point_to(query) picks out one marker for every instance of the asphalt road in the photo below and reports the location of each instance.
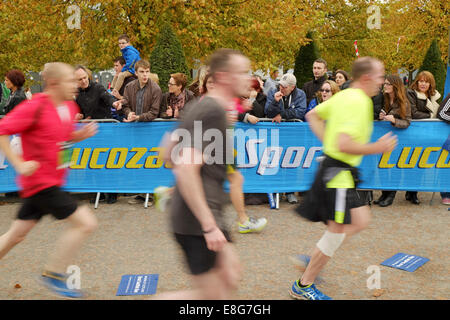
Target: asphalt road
(134, 240)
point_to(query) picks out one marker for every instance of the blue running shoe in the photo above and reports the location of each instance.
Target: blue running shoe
(57, 284)
(308, 293)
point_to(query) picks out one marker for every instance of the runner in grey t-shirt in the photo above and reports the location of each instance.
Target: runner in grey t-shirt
(211, 115)
(196, 210)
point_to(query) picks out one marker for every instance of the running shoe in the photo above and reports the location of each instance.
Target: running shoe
(59, 287)
(252, 225)
(162, 197)
(308, 293)
(446, 201)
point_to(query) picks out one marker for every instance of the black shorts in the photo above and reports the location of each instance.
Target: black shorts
(199, 258)
(52, 200)
(335, 205)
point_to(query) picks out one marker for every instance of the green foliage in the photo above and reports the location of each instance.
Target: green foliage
(167, 56)
(304, 61)
(434, 64)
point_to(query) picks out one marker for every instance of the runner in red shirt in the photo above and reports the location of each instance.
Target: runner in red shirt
(46, 125)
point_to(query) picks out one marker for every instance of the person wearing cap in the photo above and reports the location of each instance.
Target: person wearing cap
(286, 101)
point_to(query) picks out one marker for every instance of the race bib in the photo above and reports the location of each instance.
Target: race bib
(65, 155)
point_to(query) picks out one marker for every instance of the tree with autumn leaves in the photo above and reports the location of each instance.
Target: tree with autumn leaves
(270, 32)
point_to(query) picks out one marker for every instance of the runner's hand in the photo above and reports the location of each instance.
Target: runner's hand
(88, 130)
(386, 143)
(27, 168)
(215, 240)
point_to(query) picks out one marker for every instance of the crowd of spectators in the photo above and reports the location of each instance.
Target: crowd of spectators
(135, 95)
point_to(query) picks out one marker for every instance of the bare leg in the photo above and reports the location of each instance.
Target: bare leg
(83, 223)
(217, 284)
(16, 233)
(360, 221)
(237, 197)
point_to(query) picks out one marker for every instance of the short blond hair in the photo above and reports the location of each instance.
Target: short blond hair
(55, 70)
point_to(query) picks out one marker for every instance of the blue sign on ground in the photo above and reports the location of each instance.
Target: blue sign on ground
(137, 284)
(407, 262)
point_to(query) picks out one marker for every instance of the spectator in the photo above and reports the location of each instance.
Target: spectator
(444, 114)
(311, 87)
(328, 89)
(271, 81)
(173, 102)
(257, 101)
(131, 56)
(397, 111)
(208, 85)
(4, 97)
(14, 80)
(197, 85)
(142, 97)
(286, 101)
(341, 77)
(119, 64)
(94, 101)
(423, 98)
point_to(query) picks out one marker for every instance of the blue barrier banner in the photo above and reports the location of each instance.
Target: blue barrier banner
(125, 157)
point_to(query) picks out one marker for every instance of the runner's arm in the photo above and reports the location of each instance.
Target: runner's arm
(85, 132)
(22, 167)
(12, 157)
(386, 143)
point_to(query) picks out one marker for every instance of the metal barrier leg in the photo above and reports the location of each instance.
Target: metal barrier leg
(147, 195)
(97, 199)
(277, 202)
(432, 197)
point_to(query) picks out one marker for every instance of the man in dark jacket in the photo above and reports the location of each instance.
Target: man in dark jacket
(286, 101)
(320, 75)
(94, 101)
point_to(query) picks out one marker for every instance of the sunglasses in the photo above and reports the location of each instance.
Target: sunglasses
(325, 90)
